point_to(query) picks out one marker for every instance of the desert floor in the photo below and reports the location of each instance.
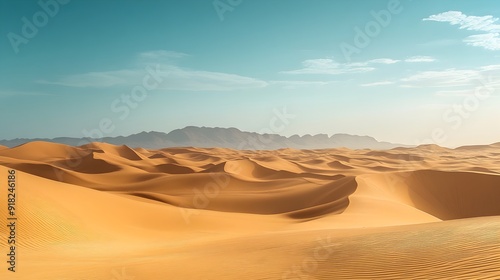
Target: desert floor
(114, 213)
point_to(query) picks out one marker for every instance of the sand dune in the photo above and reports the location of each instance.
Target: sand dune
(101, 212)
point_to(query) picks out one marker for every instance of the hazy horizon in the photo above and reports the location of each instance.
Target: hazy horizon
(244, 131)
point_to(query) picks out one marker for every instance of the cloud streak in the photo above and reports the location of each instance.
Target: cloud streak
(418, 59)
(174, 77)
(328, 66)
(489, 39)
(453, 78)
(300, 84)
(376, 84)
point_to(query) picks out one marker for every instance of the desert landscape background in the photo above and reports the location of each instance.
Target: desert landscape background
(250, 139)
(101, 211)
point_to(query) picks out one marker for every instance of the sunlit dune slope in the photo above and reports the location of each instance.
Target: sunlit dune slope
(193, 213)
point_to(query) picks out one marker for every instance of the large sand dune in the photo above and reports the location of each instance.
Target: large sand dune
(112, 212)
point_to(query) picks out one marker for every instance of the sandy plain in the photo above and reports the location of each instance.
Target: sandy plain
(112, 212)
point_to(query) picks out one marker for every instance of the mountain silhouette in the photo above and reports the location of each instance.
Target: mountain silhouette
(233, 138)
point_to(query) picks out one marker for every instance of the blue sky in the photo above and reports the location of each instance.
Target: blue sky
(401, 71)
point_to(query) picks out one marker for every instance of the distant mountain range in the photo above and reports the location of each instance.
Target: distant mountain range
(233, 138)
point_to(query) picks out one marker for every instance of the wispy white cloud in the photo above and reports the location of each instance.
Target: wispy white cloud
(445, 78)
(476, 23)
(383, 61)
(417, 59)
(386, 61)
(327, 66)
(454, 78)
(97, 79)
(191, 80)
(490, 39)
(174, 77)
(490, 68)
(382, 83)
(300, 84)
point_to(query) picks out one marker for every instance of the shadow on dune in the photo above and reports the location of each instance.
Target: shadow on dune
(455, 195)
(333, 199)
(296, 202)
